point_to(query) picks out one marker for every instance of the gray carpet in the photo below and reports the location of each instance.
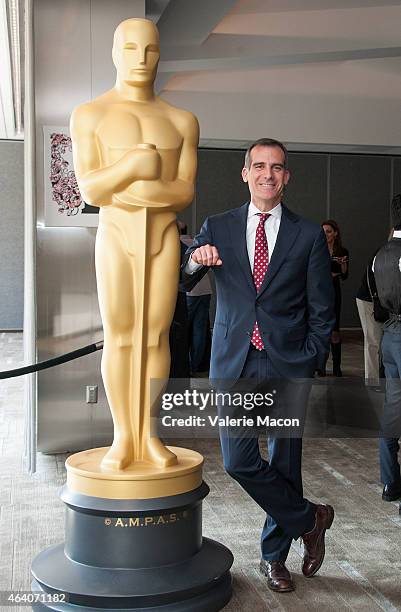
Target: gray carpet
(362, 569)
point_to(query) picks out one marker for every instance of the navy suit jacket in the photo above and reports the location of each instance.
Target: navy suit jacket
(294, 307)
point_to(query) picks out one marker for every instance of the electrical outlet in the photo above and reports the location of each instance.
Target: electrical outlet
(91, 394)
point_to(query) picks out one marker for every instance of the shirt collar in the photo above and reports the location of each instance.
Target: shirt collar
(275, 212)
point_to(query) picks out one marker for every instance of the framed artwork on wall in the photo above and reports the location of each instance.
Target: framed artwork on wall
(64, 205)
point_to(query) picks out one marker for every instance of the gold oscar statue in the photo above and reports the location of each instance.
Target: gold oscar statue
(133, 530)
(135, 157)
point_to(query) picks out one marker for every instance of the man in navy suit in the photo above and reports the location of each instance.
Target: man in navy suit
(274, 320)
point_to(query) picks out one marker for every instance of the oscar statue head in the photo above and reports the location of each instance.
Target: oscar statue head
(136, 52)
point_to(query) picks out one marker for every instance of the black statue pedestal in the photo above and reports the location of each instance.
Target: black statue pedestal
(134, 555)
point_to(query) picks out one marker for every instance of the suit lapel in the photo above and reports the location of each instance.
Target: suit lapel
(286, 237)
(237, 228)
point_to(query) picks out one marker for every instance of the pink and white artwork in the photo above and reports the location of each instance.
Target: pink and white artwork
(64, 205)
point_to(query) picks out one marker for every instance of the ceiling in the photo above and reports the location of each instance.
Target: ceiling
(343, 49)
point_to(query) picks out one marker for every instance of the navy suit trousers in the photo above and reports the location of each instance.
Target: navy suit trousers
(276, 485)
(391, 426)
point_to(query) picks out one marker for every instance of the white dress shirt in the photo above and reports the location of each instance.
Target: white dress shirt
(272, 226)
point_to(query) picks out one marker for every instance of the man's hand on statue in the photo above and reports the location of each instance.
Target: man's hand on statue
(207, 255)
(146, 164)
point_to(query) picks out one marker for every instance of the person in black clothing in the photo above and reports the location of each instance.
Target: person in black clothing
(387, 270)
(179, 347)
(339, 272)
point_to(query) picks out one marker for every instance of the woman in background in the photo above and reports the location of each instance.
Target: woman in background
(339, 272)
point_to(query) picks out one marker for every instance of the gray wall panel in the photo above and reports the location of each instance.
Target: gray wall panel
(219, 184)
(12, 234)
(306, 193)
(396, 176)
(187, 215)
(359, 202)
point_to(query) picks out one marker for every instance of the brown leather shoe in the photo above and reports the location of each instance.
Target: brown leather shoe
(314, 548)
(278, 577)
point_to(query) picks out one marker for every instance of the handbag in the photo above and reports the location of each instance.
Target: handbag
(380, 313)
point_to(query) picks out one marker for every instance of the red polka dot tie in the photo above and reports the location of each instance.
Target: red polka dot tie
(260, 265)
